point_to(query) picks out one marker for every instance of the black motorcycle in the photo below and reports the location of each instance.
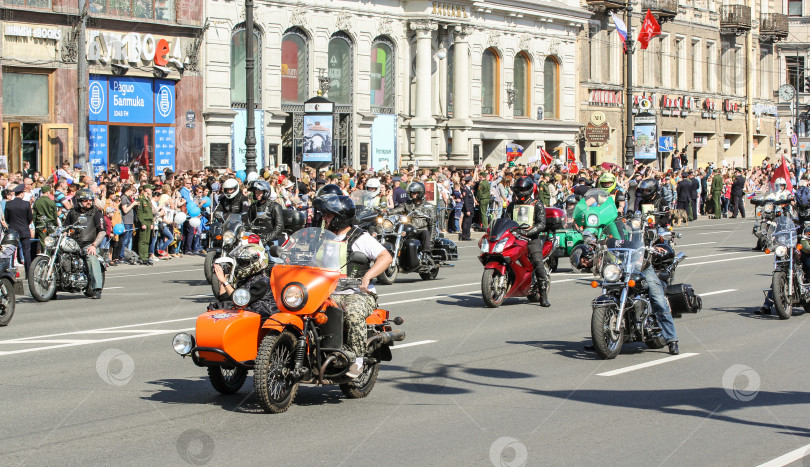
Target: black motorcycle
(788, 283)
(399, 239)
(63, 266)
(224, 234)
(10, 286)
(767, 209)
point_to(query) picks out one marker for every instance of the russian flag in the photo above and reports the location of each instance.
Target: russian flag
(621, 28)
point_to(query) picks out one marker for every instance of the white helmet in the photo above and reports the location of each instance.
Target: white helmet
(373, 185)
(779, 184)
(230, 188)
(252, 177)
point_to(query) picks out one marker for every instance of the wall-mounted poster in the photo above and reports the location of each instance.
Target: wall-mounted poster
(238, 131)
(98, 148)
(318, 138)
(646, 142)
(384, 142)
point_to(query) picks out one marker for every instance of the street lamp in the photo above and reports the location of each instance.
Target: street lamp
(250, 66)
(629, 146)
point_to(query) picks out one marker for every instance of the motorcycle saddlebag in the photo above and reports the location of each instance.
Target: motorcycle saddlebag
(409, 255)
(555, 219)
(682, 299)
(444, 249)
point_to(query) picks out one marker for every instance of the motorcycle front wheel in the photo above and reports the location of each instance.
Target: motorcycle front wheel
(553, 263)
(389, 276)
(208, 266)
(362, 386)
(606, 341)
(493, 288)
(272, 376)
(227, 380)
(7, 301)
(781, 299)
(42, 289)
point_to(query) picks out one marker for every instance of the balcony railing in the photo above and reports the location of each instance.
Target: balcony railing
(773, 27)
(605, 5)
(663, 10)
(735, 19)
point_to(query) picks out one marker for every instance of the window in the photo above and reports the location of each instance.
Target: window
(30, 3)
(794, 7)
(340, 69)
(696, 58)
(294, 67)
(141, 9)
(711, 67)
(605, 47)
(382, 76)
(678, 55)
(727, 67)
(522, 85)
(238, 59)
(739, 71)
(764, 70)
(490, 83)
(795, 72)
(551, 80)
(25, 94)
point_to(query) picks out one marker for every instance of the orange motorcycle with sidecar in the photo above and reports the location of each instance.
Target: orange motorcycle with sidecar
(302, 341)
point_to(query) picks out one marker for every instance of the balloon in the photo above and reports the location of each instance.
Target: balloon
(252, 177)
(241, 175)
(206, 201)
(193, 210)
(118, 229)
(194, 222)
(179, 218)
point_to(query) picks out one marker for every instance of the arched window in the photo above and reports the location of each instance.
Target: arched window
(522, 85)
(294, 67)
(238, 58)
(490, 82)
(551, 88)
(382, 76)
(340, 69)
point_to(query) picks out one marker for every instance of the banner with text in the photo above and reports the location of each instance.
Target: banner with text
(238, 131)
(98, 148)
(164, 149)
(384, 142)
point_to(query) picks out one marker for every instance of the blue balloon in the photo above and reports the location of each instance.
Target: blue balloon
(241, 175)
(206, 201)
(118, 229)
(193, 210)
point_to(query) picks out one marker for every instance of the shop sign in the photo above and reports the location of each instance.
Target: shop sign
(642, 103)
(134, 48)
(605, 97)
(709, 109)
(384, 142)
(17, 30)
(730, 106)
(131, 100)
(98, 148)
(164, 149)
(671, 106)
(597, 135)
(700, 141)
(765, 109)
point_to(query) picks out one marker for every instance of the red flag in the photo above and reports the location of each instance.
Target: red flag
(573, 168)
(783, 171)
(571, 156)
(545, 157)
(649, 29)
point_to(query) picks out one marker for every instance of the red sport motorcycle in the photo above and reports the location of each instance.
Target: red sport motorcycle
(508, 272)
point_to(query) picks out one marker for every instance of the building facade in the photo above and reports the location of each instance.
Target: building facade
(706, 82)
(140, 79)
(422, 82)
(794, 58)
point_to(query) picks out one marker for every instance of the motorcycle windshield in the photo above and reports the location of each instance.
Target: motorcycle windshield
(595, 208)
(785, 232)
(500, 226)
(362, 198)
(624, 243)
(232, 222)
(314, 247)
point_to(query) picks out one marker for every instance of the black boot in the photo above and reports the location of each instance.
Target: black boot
(543, 289)
(673, 348)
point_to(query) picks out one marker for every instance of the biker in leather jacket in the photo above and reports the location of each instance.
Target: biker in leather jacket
(270, 227)
(232, 200)
(421, 215)
(523, 196)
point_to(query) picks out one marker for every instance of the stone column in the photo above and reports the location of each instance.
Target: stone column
(461, 123)
(423, 122)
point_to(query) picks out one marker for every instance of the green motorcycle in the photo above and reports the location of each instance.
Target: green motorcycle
(595, 211)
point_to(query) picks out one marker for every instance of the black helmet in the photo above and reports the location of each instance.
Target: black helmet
(572, 200)
(85, 194)
(342, 207)
(647, 189)
(263, 186)
(330, 189)
(581, 257)
(11, 238)
(523, 189)
(418, 189)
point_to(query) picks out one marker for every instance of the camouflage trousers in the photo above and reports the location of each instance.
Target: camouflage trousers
(356, 308)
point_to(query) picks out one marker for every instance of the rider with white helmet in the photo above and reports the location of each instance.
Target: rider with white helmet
(231, 200)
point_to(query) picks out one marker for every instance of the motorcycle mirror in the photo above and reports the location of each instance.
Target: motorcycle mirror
(275, 251)
(218, 215)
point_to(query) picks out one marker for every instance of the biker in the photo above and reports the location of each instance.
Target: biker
(607, 182)
(378, 201)
(570, 204)
(273, 225)
(357, 303)
(522, 196)
(328, 189)
(91, 236)
(658, 300)
(232, 200)
(421, 216)
(651, 200)
(250, 272)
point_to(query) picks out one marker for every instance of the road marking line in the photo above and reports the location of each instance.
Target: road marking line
(722, 260)
(715, 232)
(124, 331)
(709, 256)
(432, 297)
(696, 244)
(411, 344)
(716, 292)
(432, 288)
(110, 288)
(88, 342)
(45, 341)
(647, 364)
(110, 276)
(103, 329)
(789, 458)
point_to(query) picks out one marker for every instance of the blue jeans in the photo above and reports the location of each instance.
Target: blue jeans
(126, 239)
(153, 242)
(165, 237)
(660, 304)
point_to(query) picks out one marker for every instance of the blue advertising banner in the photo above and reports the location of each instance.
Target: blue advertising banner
(98, 148)
(164, 149)
(384, 142)
(164, 101)
(318, 138)
(645, 142)
(130, 100)
(238, 130)
(97, 98)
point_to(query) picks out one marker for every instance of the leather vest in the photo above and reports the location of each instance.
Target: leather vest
(353, 269)
(88, 235)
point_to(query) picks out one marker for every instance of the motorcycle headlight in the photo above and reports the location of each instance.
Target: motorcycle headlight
(228, 237)
(49, 242)
(294, 296)
(769, 208)
(485, 246)
(781, 250)
(635, 224)
(387, 225)
(499, 246)
(593, 220)
(403, 219)
(612, 273)
(183, 343)
(241, 297)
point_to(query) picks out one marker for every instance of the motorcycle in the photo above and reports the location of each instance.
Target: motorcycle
(398, 239)
(62, 267)
(222, 234)
(235, 233)
(767, 208)
(508, 271)
(592, 214)
(301, 343)
(10, 286)
(788, 283)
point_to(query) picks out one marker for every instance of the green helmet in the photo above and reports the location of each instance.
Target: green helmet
(607, 182)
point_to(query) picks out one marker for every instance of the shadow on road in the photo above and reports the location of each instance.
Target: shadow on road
(569, 349)
(190, 282)
(750, 312)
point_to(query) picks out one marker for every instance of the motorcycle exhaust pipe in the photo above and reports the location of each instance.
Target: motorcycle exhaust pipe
(386, 338)
(328, 361)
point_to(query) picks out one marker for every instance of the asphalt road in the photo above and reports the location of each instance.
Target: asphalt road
(91, 382)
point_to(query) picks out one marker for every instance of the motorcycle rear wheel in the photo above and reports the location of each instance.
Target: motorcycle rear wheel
(781, 300)
(7, 301)
(389, 276)
(39, 290)
(553, 263)
(362, 386)
(227, 381)
(492, 298)
(271, 376)
(208, 266)
(606, 342)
